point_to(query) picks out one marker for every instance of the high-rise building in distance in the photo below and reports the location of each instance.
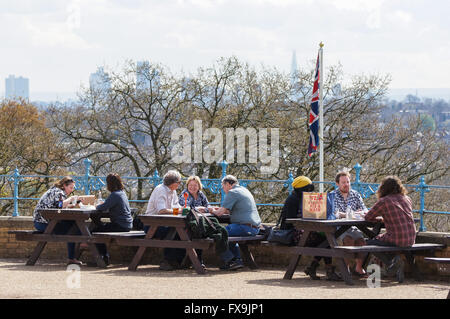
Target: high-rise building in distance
(100, 81)
(16, 88)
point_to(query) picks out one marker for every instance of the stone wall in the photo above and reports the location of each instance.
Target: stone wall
(264, 255)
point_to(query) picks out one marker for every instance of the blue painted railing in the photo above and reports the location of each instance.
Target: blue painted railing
(88, 184)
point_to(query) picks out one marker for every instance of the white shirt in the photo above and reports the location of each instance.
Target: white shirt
(161, 198)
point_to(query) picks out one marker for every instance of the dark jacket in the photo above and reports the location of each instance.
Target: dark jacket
(201, 228)
(119, 209)
(292, 208)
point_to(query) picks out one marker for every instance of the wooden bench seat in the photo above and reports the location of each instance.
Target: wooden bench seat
(200, 243)
(247, 239)
(376, 249)
(132, 233)
(98, 237)
(439, 261)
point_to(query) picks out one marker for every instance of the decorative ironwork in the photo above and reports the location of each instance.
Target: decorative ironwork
(90, 183)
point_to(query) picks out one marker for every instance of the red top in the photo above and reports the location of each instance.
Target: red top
(396, 211)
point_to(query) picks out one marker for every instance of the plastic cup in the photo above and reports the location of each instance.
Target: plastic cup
(176, 210)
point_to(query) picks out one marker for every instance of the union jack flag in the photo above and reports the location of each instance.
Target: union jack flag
(314, 114)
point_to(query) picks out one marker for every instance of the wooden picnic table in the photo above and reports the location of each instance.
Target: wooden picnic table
(335, 228)
(332, 229)
(178, 226)
(80, 217)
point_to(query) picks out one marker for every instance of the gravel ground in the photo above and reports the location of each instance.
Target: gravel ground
(50, 280)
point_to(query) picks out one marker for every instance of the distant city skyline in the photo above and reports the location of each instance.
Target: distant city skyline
(100, 80)
(57, 44)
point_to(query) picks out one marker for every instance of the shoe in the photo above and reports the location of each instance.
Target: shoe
(233, 264)
(311, 270)
(106, 259)
(360, 275)
(332, 275)
(395, 266)
(74, 262)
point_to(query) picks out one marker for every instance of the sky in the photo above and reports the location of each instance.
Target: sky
(57, 44)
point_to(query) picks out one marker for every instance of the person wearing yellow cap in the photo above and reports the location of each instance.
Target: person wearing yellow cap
(292, 208)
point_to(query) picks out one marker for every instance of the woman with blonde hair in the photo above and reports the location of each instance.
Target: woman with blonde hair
(195, 198)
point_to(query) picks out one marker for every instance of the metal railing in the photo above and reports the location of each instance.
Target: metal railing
(88, 183)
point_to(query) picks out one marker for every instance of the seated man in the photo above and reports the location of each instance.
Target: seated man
(346, 198)
(244, 218)
(162, 201)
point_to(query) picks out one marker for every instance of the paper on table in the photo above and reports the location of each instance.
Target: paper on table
(86, 207)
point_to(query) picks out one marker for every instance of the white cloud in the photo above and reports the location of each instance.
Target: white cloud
(186, 34)
(55, 35)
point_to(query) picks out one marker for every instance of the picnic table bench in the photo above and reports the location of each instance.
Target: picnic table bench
(80, 218)
(178, 225)
(333, 229)
(439, 261)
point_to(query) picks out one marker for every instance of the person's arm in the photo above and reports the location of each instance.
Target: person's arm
(363, 207)
(375, 211)
(108, 203)
(227, 205)
(67, 203)
(219, 211)
(161, 204)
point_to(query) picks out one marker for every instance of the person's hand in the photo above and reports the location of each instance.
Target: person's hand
(342, 215)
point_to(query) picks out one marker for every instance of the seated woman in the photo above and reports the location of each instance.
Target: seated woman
(119, 212)
(395, 207)
(195, 198)
(51, 199)
(293, 209)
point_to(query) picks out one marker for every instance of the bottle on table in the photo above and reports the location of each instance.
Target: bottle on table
(349, 213)
(60, 201)
(99, 198)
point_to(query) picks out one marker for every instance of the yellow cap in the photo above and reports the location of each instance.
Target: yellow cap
(301, 181)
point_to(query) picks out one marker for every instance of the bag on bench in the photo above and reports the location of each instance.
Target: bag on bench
(281, 236)
(202, 226)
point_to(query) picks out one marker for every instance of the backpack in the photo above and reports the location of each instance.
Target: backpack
(201, 226)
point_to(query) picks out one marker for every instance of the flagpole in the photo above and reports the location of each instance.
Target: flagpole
(321, 178)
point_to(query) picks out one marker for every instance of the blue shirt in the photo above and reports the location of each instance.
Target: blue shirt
(240, 202)
(119, 209)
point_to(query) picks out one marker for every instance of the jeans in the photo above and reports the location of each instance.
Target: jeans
(107, 227)
(237, 230)
(170, 254)
(64, 227)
